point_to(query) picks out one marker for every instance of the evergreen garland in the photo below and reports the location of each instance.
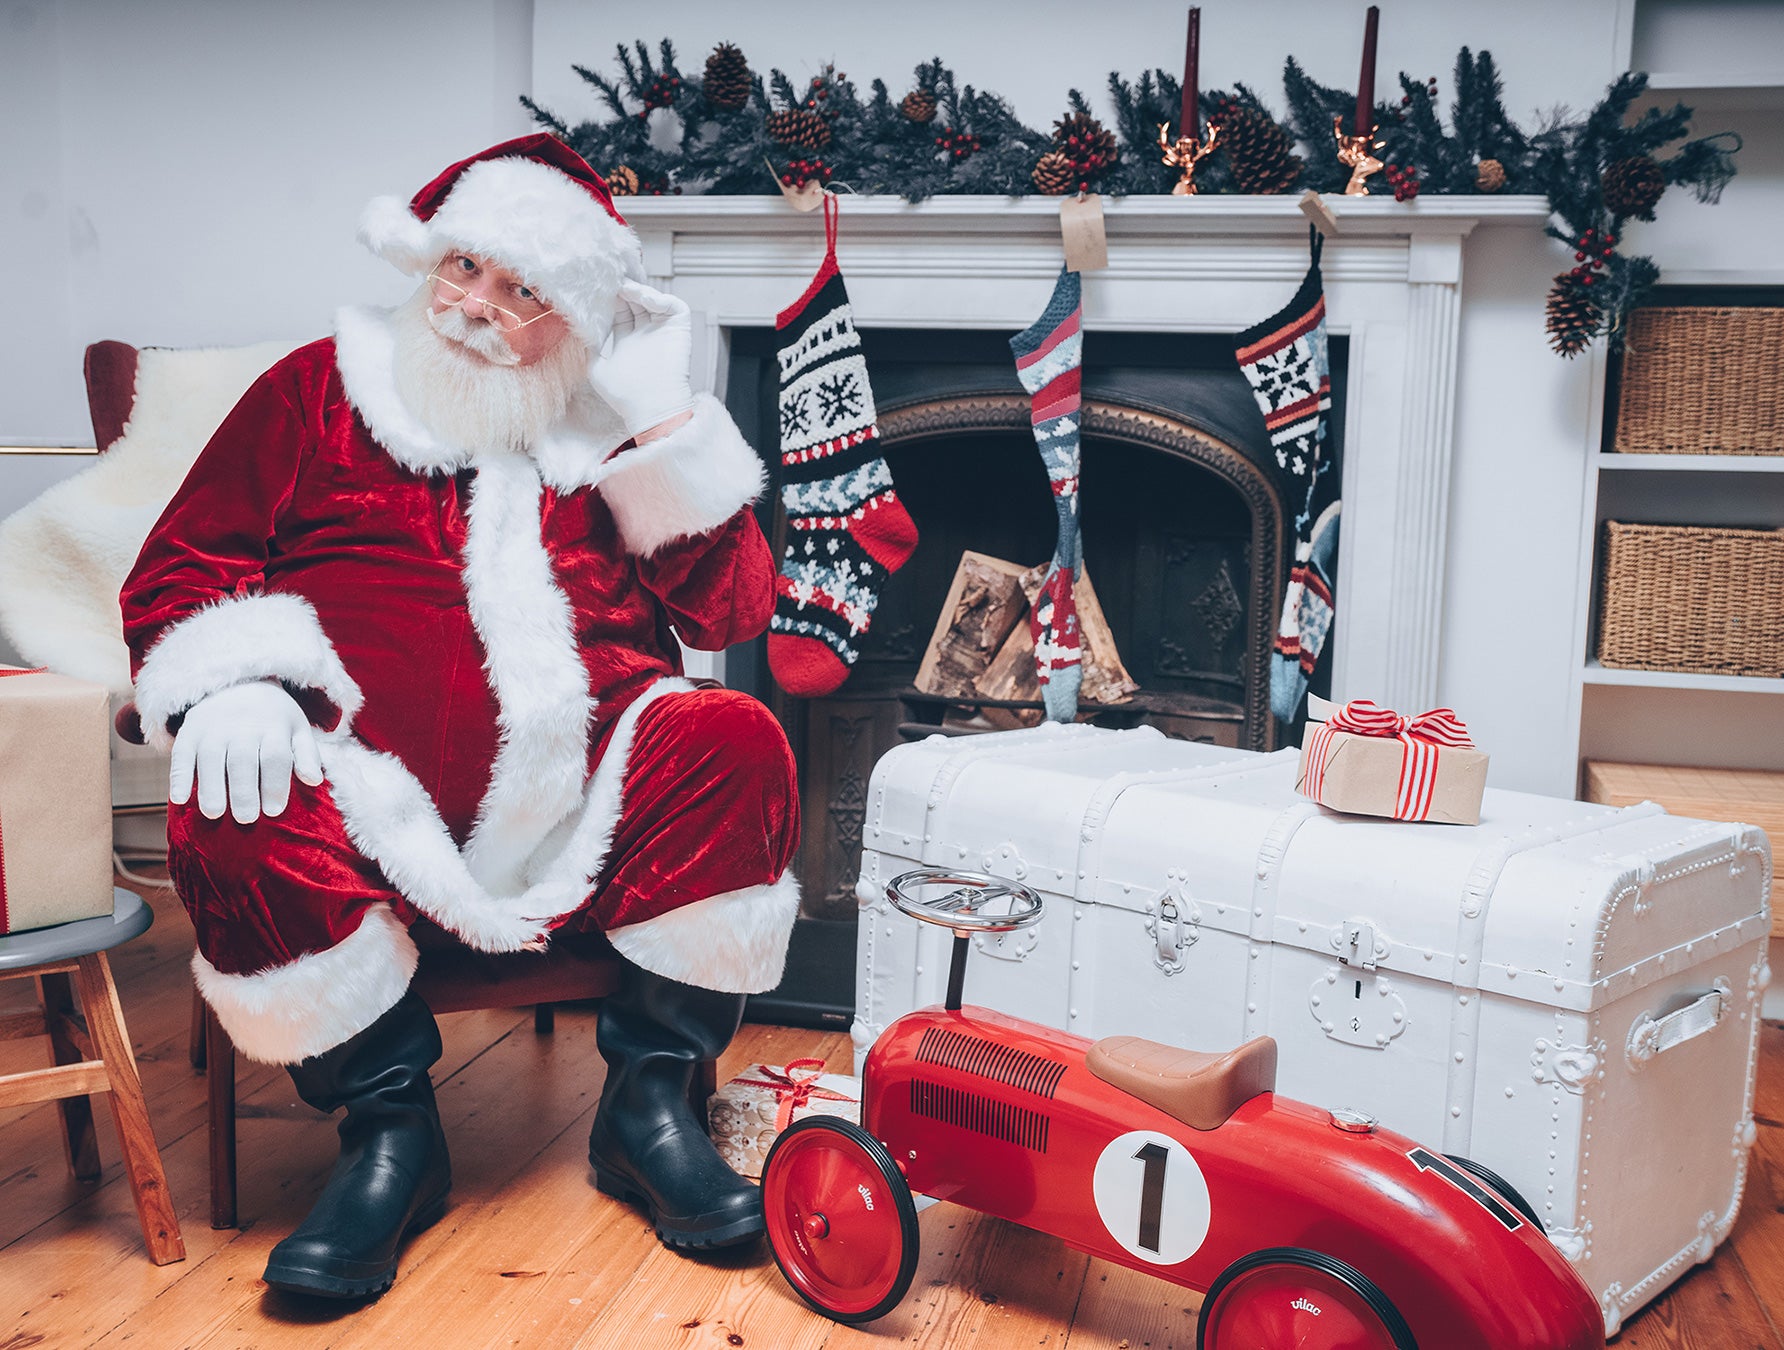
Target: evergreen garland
(937, 137)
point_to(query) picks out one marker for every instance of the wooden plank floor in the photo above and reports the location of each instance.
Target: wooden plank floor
(531, 1255)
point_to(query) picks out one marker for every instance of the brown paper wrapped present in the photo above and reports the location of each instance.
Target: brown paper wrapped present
(748, 1114)
(1373, 762)
(55, 800)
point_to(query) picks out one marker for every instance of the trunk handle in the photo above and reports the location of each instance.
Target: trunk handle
(1652, 1036)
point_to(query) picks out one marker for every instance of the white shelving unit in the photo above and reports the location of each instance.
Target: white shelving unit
(1679, 679)
(1615, 463)
(1734, 721)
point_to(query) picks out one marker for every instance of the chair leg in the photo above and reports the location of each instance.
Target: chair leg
(220, 1099)
(544, 1018)
(78, 1137)
(130, 1111)
(195, 1046)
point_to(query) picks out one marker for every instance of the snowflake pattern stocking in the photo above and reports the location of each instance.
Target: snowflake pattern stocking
(1048, 362)
(846, 529)
(1285, 360)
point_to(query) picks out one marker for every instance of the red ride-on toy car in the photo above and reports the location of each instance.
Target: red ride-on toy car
(1306, 1227)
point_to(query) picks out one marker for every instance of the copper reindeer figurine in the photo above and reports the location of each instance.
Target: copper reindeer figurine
(1185, 153)
(1354, 154)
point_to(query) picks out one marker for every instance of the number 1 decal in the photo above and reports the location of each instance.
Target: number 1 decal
(1152, 1192)
(1151, 1196)
(1427, 1161)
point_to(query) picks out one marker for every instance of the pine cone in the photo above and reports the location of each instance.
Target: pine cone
(918, 106)
(1490, 176)
(1088, 144)
(1632, 187)
(728, 78)
(1573, 313)
(799, 128)
(1259, 152)
(623, 182)
(1054, 174)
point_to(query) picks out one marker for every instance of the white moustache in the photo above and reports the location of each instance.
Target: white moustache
(479, 335)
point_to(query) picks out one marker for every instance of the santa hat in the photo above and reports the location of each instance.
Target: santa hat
(535, 206)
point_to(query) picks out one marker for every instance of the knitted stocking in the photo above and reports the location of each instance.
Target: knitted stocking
(846, 529)
(1284, 358)
(1047, 362)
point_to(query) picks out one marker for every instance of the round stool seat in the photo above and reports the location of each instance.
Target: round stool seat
(81, 937)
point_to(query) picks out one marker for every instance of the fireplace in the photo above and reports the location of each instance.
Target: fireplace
(1183, 539)
(961, 273)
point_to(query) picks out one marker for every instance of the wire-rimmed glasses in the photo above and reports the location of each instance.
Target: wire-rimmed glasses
(505, 320)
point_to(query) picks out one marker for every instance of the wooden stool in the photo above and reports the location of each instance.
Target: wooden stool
(90, 1055)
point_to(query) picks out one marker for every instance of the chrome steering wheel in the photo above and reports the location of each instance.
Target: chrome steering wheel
(975, 903)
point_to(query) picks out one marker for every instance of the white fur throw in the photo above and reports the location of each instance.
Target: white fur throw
(64, 556)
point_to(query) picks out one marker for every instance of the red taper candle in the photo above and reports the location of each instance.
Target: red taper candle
(1190, 123)
(1366, 78)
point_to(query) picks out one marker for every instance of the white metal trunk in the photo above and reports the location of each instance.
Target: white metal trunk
(1567, 993)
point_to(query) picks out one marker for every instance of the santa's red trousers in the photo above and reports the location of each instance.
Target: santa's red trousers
(709, 807)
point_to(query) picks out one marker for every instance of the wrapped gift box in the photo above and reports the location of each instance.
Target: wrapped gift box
(747, 1114)
(55, 800)
(1372, 762)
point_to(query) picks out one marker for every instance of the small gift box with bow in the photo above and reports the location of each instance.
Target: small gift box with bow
(1372, 761)
(747, 1114)
(55, 800)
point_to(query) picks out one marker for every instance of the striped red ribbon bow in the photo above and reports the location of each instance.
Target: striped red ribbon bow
(1365, 717)
(792, 1088)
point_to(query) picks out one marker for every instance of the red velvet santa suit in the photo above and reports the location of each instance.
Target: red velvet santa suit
(488, 643)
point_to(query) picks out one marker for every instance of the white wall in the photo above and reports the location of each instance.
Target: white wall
(191, 173)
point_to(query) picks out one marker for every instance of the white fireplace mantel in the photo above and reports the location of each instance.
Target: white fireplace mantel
(1216, 264)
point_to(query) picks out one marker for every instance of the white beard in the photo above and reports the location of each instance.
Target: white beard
(469, 400)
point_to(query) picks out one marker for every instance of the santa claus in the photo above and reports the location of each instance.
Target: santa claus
(436, 567)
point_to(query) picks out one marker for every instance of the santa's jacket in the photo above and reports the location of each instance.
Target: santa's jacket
(472, 634)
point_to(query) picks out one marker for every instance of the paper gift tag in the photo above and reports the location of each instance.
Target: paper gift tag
(808, 197)
(1081, 229)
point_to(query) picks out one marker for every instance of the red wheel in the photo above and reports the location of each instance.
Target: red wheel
(840, 1219)
(1286, 1296)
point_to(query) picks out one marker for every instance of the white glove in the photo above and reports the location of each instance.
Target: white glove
(642, 368)
(243, 743)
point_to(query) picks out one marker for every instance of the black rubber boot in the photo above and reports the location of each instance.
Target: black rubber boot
(647, 1145)
(393, 1173)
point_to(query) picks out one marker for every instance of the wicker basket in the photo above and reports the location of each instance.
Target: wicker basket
(1687, 597)
(1702, 381)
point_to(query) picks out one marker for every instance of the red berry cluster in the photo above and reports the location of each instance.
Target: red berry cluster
(959, 144)
(1406, 99)
(660, 94)
(819, 89)
(1404, 179)
(1591, 254)
(802, 171)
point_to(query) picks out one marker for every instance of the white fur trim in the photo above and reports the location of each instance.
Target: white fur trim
(690, 482)
(391, 820)
(391, 230)
(540, 683)
(64, 556)
(235, 640)
(291, 1012)
(735, 942)
(571, 455)
(529, 217)
(365, 354)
